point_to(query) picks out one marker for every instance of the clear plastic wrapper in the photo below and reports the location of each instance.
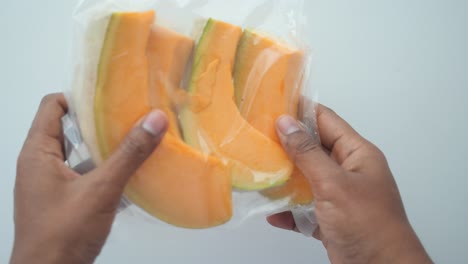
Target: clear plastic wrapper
(222, 71)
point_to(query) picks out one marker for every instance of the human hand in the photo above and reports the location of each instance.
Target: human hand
(357, 203)
(61, 216)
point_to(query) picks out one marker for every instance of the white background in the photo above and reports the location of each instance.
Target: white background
(396, 70)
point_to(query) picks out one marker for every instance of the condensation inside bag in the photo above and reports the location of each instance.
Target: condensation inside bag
(282, 19)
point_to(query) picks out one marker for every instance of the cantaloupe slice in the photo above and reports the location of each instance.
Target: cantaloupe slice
(297, 188)
(168, 53)
(268, 79)
(177, 183)
(121, 96)
(182, 186)
(212, 122)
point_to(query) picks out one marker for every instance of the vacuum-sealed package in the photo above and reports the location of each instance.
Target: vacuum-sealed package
(222, 72)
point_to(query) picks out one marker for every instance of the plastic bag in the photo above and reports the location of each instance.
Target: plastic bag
(222, 82)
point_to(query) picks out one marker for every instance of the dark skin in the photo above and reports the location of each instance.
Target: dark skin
(358, 206)
(63, 217)
(357, 203)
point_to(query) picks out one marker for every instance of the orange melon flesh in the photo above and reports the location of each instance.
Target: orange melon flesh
(168, 53)
(182, 186)
(212, 122)
(121, 96)
(177, 183)
(267, 79)
(297, 188)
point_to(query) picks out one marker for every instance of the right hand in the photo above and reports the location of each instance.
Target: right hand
(357, 203)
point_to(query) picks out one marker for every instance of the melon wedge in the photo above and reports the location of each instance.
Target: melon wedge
(182, 186)
(168, 53)
(177, 184)
(212, 122)
(268, 79)
(297, 189)
(121, 96)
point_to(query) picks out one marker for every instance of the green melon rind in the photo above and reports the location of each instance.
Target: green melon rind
(239, 65)
(187, 117)
(197, 57)
(102, 71)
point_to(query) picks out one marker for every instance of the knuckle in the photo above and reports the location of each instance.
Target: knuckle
(135, 146)
(48, 98)
(323, 109)
(325, 190)
(26, 159)
(375, 151)
(20, 162)
(302, 143)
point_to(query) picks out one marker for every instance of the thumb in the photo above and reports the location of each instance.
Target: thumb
(305, 150)
(140, 142)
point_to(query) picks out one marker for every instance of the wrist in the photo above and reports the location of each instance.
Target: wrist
(51, 251)
(401, 245)
(28, 253)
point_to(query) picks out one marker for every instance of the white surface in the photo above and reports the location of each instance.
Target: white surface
(396, 70)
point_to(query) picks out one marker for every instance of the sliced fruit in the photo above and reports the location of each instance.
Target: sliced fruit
(182, 186)
(212, 122)
(121, 96)
(297, 189)
(168, 53)
(268, 79)
(177, 183)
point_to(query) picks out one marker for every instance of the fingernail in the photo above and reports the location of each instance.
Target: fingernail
(287, 125)
(155, 122)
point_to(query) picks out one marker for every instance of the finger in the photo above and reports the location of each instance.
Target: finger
(48, 118)
(46, 130)
(306, 111)
(317, 234)
(306, 151)
(337, 135)
(135, 149)
(284, 220)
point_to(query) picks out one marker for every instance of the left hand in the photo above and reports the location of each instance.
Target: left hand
(61, 216)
